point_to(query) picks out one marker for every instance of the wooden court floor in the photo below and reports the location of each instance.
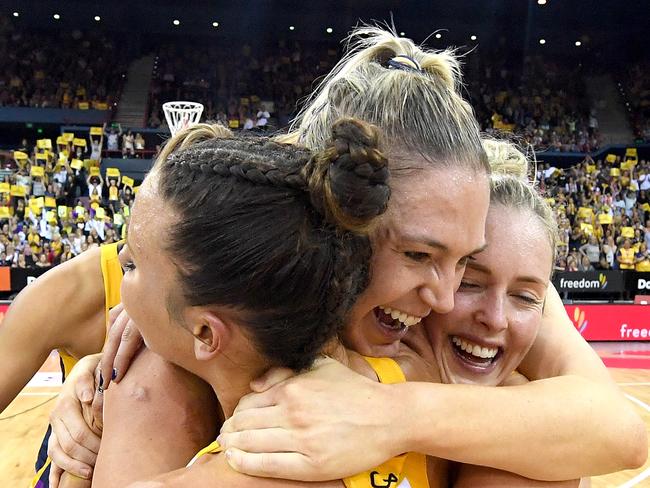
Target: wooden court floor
(23, 424)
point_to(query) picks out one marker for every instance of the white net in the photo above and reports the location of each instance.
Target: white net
(180, 115)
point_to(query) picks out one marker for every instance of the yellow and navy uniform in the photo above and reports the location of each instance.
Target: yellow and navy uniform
(405, 471)
(408, 470)
(112, 277)
(627, 258)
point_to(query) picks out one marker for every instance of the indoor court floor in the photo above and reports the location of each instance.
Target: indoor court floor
(23, 423)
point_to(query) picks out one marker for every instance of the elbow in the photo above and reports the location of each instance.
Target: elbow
(638, 450)
(632, 442)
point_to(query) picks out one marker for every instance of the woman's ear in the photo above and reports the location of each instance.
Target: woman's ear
(211, 335)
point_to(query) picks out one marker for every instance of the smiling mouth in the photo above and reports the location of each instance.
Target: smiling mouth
(474, 354)
(395, 320)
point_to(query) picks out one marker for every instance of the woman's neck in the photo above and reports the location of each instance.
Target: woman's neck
(231, 381)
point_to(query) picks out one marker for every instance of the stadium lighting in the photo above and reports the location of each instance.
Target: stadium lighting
(329, 30)
(97, 18)
(176, 22)
(291, 28)
(473, 38)
(215, 24)
(56, 16)
(402, 34)
(542, 41)
(541, 2)
(578, 44)
(16, 14)
(438, 35)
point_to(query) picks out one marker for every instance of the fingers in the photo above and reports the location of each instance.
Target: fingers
(264, 440)
(270, 378)
(118, 320)
(97, 409)
(254, 418)
(84, 387)
(255, 400)
(55, 475)
(128, 348)
(56, 450)
(284, 465)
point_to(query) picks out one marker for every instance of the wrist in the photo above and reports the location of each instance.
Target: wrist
(412, 410)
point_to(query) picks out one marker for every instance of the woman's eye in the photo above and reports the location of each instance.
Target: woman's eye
(418, 257)
(128, 266)
(529, 299)
(466, 285)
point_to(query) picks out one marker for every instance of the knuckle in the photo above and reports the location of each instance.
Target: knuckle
(78, 436)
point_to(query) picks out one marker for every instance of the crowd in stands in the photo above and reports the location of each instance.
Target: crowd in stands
(69, 69)
(240, 87)
(55, 203)
(638, 95)
(603, 212)
(543, 103)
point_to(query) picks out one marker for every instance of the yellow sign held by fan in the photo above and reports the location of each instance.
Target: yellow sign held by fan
(38, 171)
(611, 158)
(77, 164)
(627, 232)
(5, 188)
(94, 171)
(17, 191)
(20, 156)
(44, 144)
(79, 142)
(112, 173)
(605, 219)
(126, 181)
(96, 131)
(5, 213)
(50, 202)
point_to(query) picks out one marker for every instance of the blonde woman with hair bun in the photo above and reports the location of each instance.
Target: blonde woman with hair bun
(331, 423)
(429, 129)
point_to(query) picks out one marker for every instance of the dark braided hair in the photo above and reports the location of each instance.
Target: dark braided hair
(276, 232)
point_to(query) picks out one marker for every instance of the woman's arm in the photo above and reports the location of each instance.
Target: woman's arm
(64, 309)
(532, 429)
(217, 474)
(481, 477)
(155, 420)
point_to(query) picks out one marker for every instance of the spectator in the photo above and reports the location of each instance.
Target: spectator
(625, 256)
(591, 250)
(128, 148)
(642, 258)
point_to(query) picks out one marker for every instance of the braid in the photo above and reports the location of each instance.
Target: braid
(349, 180)
(234, 158)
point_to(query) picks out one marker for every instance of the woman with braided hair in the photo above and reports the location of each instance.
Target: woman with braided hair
(275, 252)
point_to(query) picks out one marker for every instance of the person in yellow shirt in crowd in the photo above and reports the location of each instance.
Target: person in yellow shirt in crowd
(642, 258)
(625, 256)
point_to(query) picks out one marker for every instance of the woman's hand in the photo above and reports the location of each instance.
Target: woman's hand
(313, 427)
(122, 344)
(74, 442)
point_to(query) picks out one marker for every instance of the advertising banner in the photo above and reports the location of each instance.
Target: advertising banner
(611, 322)
(590, 282)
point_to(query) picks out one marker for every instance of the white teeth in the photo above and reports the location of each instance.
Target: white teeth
(403, 317)
(475, 349)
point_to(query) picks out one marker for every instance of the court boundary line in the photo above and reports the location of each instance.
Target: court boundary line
(645, 474)
(637, 479)
(642, 383)
(638, 402)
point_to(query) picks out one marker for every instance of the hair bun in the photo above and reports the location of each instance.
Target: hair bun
(348, 181)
